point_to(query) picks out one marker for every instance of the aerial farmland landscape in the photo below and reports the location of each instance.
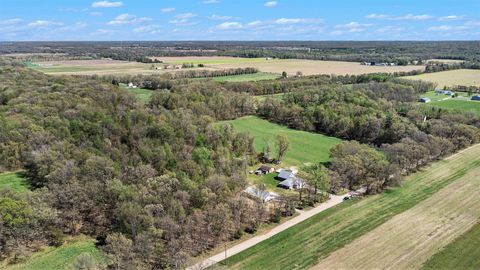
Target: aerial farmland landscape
(218, 134)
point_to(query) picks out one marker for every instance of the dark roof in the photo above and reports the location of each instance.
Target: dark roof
(265, 168)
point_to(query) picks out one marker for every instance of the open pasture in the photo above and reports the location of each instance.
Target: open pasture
(307, 243)
(61, 258)
(305, 147)
(466, 77)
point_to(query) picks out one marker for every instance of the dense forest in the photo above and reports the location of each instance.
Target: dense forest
(159, 183)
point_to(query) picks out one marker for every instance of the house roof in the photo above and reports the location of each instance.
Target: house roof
(285, 174)
(292, 182)
(266, 168)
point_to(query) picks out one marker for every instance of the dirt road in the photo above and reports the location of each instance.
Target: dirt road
(334, 200)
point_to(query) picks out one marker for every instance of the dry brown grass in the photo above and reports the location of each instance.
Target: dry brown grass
(409, 239)
(311, 67)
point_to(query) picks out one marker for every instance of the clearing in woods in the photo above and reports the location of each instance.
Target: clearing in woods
(307, 243)
(466, 77)
(407, 240)
(61, 258)
(305, 147)
(15, 181)
(463, 253)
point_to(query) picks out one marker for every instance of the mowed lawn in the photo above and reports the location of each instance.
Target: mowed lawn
(15, 181)
(409, 239)
(459, 105)
(306, 244)
(61, 258)
(462, 253)
(466, 77)
(305, 147)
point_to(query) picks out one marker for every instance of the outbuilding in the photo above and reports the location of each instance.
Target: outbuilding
(425, 100)
(285, 174)
(264, 169)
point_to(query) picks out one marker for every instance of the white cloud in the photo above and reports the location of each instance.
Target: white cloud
(403, 17)
(106, 4)
(255, 23)
(11, 21)
(473, 23)
(149, 29)
(296, 20)
(230, 26)
(353, 27)
(444, 28)
(95, 13)
(390, 29)
(124, 19)
(209, 2)
(167, 10)
(451, 18)
(100, 32)
(44, 24)
(219, 17)
(271, 4)
(184, 16)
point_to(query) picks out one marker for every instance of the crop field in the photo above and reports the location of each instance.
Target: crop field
(313, 240)
(207, 60)
(463, 253)
(255, 77)
(466, 77)
(409, 239)
(60, 258)
(305, 147)
(14, 181)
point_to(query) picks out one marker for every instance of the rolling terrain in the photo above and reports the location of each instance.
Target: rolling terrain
(313, 240)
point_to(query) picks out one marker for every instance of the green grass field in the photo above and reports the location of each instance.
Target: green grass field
(142, 94)
(466, 77)
(463, 253)
(14, 181)
(304, 245)
(459, 105)
(62, 257)
(259, 76)
(305, 147)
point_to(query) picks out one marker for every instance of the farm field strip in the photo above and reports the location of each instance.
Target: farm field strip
(462, 253)
(313, 67)
(466, 77)
(307, 243)
(410, 238)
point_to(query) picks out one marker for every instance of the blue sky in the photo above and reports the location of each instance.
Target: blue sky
(239, 20)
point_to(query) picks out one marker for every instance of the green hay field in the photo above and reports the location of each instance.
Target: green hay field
(305, 147)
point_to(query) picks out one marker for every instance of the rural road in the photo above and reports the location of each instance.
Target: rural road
(334, 200)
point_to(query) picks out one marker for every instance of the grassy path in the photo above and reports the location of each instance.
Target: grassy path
(410, 238)
(309, 242)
